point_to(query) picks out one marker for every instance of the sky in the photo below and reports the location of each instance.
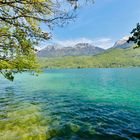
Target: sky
(101, 23)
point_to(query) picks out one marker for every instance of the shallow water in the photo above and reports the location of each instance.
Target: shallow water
(85, 104)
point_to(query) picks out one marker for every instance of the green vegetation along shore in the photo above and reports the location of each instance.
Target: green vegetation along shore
(109, 59)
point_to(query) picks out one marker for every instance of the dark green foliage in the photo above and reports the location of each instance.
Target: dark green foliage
(135, 36)
(8, 75)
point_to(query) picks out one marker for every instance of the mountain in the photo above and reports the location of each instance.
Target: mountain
(123, 44)
(76, 50)
(84, 55)
(111, 58)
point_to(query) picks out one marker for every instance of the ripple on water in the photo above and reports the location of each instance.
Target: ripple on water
(23, 124)
(92, 105)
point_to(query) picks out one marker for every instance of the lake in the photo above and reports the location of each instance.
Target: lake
(72, 104)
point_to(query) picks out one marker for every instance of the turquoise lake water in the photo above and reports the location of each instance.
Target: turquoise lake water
(72, 104)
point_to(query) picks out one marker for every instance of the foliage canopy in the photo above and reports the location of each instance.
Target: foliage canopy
(135, 36)
(20, 30)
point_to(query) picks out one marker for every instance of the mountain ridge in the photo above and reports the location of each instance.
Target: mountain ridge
(112, 58)
(81, 49)
(76, 50)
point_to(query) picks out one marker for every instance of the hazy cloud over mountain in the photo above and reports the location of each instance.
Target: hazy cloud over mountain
(104, 43)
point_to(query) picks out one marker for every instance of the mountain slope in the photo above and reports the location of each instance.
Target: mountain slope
(111, 58)
(123, 44)
(77, 50)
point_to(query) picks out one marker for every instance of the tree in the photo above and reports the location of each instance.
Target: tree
(135, 36)
(20, 30)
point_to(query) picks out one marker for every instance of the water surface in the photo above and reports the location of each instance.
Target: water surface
(85, 104)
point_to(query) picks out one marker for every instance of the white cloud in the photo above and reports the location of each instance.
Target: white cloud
(126, 37)
(40, 47)
(72, 42)
(104, 43)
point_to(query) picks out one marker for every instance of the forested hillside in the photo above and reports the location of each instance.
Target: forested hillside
(111, 58)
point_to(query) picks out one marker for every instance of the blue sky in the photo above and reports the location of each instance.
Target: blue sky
(101, 24)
